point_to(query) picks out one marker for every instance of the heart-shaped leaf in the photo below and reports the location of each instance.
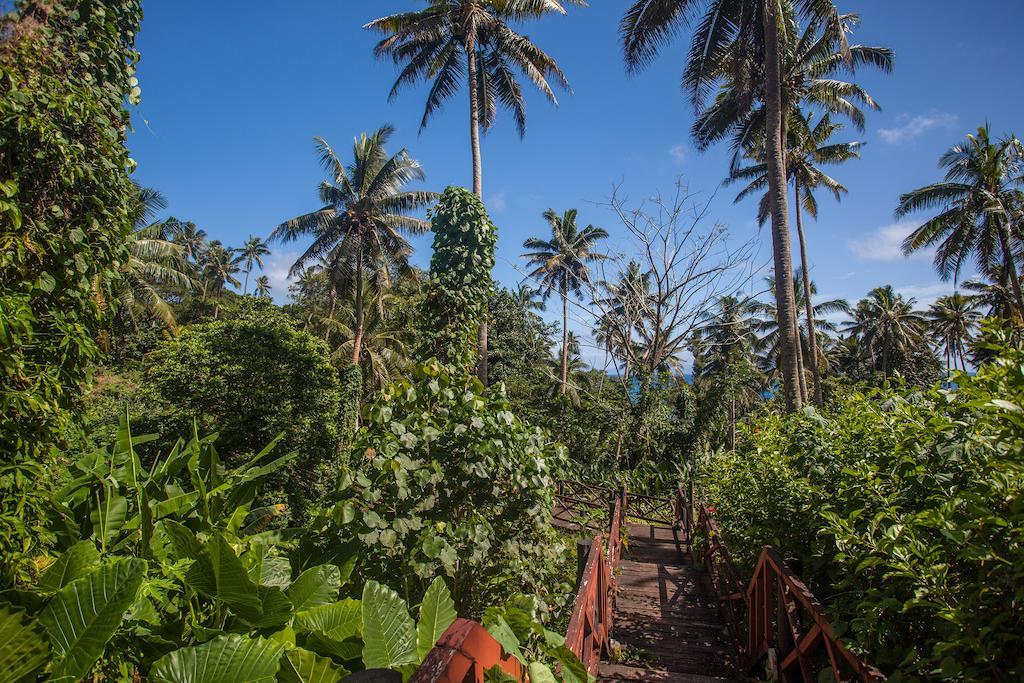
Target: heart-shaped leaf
(389, 633)
(225, 659)
(78, 560)
(303, 666)
(315, 587)
(436, 614)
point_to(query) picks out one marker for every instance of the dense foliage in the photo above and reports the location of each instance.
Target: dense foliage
(444, 479)
(460, 278)
(904, 508)
(211, 374)
(66, 74)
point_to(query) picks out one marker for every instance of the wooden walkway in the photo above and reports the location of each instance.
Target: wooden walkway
(666, 617)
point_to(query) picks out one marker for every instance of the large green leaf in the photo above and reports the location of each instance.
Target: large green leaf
(78, 560)
(503, 633)
(337, 621)
(24, 648)
(303, 666)
(83, 615)
(315, 587)
(225, 659)
(436, 614)
(108, 515)
(265, 569)
(218, 573)
(389, 633)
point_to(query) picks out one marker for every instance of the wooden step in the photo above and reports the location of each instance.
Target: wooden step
(621, 672)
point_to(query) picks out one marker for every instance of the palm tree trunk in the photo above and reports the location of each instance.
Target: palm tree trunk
(812, 333)
(732, 425)
(565, 332)
(248, 269)
(777, 192)
(478, 188)
(801, 373)
(357, 336)
(1011, 267)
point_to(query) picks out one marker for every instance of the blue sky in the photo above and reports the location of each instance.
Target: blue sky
(232, 97)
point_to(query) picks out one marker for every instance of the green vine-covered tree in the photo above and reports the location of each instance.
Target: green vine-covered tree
(66, 203)
(460, 278)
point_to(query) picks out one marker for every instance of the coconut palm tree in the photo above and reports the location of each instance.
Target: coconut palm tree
(727, 330)
(979, 203)
(768, 326)
(887, 326)
(252, 252)
(560, 265)
(809, 146)
(552, 369)
(385, 351)
(153, 262)
(219, 266)
(359, 230)
(526, 296)
(454, 41)
(746, 35)
(191, 238)
(954, 319)
(262, 289)
(995, 297)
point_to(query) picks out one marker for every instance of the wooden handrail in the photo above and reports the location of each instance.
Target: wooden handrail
(590, 624)
(463, 654)
(776, 611)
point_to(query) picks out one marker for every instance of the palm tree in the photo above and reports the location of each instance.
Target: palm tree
(262, 289)
(191, 238)
(979, 203)
(995, 297)
(808, 147)
(746, 35)
(954, 319)
(359, 229)
(385, 348)
(560, 264)
(526, 297)
(552, 369)
(153, 261)
(451, 41)
(252, 252)
(219, 267)
(768, 325)
(887, 326)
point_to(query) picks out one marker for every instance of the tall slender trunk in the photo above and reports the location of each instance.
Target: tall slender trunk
(478, 187)
(357, 336)
(332, 305)
(812, 333)
(801, 373)
(245, 290)
(732, 425)
(777, 193)
(565, 332)
(1011, 267)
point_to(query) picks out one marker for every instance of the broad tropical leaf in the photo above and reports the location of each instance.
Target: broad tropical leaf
(541, 673)
(109, 515)
(83, 615)
(337, 621)
(218, 573)
(436, 614)
(25, 648)
(503, 633)
(389, 633)
(225, 659)
(78, 560)
(303, 666)
(315, 587)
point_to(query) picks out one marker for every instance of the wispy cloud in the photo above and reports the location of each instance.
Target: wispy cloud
(885, 243)
(913, 127)
(679, 153)
(847, 276)
(276, 269)
(926, 294)
(497, 202)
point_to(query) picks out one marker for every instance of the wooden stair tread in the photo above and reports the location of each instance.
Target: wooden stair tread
(622, 672)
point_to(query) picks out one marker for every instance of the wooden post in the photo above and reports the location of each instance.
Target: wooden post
(582, 553)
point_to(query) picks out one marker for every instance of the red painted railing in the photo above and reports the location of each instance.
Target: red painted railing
(463, 654)
(776, 619)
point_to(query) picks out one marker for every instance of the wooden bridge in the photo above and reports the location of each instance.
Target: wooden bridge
(660, 600)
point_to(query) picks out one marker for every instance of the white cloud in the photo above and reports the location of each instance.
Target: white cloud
(497, 202)
(885, 243)
(678, 153)
(847, 276)
(926, 294)
(913, 127)
(276, 269)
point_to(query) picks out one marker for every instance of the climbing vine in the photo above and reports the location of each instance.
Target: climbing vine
(460, 278)
(66, 72)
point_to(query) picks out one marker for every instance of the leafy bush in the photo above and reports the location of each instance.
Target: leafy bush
(443, 478)
(250, 379)
(66, 72)
(905, 509)
(460, 278)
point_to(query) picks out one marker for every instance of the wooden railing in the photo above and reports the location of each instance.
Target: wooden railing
(463, 654)
(775, 621)
(590, 626)
(652, 509)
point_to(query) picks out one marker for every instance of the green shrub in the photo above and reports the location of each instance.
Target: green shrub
(66, 72)
(445, 479)
(905, 509)
(250, 379)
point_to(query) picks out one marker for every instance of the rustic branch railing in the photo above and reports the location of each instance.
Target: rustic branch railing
(776, 617)
(463, 654)
(652, 509)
